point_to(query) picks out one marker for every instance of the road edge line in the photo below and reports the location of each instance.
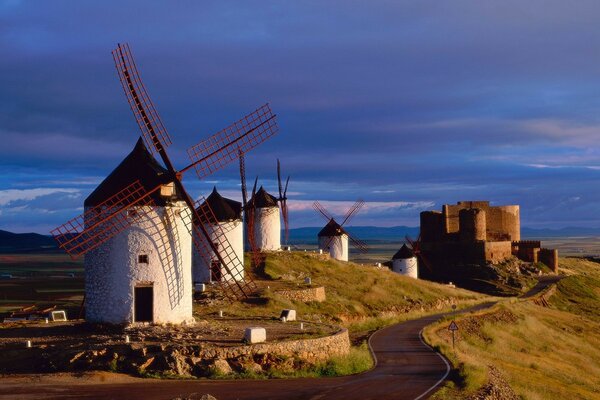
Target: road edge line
(443, 359)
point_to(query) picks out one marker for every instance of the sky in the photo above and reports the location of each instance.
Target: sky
(407, 105)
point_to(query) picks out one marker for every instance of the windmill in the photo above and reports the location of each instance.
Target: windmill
(134, 201)
(334, 238)
(249, 208)
(415, 247)
(283, 203)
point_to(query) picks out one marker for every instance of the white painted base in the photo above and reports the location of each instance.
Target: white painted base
(338, 246)
(234, 232)
(113, 270)
(267, 228)
(406, 266)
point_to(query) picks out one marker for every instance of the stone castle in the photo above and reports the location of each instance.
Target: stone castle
(473, 232)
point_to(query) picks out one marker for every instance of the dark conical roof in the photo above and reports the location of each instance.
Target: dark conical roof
(403, 253)
(138, 165)
(263, 199)
(332, 229)
(224, 209)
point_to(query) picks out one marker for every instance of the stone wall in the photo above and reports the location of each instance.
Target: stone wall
(550, 258)
(496, 252)
(304, 295)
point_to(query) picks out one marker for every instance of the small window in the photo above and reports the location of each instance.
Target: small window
(143, 259)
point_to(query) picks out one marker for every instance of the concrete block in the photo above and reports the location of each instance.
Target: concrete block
(255, 335)
(289, 315)
(200, 287)
(58, 315)
(307, 280)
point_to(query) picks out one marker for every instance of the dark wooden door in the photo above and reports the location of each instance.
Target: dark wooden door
(143, 299)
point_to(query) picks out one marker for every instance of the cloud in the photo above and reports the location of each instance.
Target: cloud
(9, 196)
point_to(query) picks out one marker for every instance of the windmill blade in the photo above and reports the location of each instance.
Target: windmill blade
(220, 149)
(153, 131)
(425, 262)
(243, 179)
(286, 222)
(254, 188)
(287, 181)
(279, 180)
(100, 223)
(352, 211)
(235, 285)
(319, 208)
(414, 244)
(359, 244)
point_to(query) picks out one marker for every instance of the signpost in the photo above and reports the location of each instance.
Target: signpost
(453, 327)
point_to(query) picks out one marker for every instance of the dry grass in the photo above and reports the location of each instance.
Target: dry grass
(544, 353)
(360, 297)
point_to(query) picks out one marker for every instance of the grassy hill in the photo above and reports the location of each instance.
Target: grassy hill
(362, 298)
(544, 349)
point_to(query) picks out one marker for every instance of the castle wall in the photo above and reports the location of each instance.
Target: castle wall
(234, 233)
(503, 223)
(113, 270)
(550, 258)
(431, 226)
(337, 246)
(496, 252)
(267, 228)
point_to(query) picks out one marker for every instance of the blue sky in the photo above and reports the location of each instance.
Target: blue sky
(408, 105)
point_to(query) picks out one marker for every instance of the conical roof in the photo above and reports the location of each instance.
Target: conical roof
(224, 209)
(263, 199)
(332, 229)
(403, 253)
(138, 165)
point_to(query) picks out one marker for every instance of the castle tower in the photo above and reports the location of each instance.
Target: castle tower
(405, 263)
(472, 225)
(267, 223)
(143, 274)
(334, 240)
(228, 214)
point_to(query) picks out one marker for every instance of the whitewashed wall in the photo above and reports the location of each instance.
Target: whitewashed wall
(267, 228)
(234, 232)
(406, 266)
(338, 247)
(112, 270)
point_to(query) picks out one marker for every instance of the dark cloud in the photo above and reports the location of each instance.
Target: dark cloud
(422, 102)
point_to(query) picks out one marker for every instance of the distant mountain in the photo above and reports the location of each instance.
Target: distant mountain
(561, 232)
(25, 242)
(308, 235)
(36, 243)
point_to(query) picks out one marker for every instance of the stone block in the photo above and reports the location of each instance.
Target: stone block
(200, 287)
(255, 335)
(290, 315)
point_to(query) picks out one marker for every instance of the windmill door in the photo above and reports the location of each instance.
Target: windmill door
(143, 299)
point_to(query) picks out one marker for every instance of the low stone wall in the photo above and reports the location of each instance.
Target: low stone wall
(183, 360)
(309, 350)
(304, 295)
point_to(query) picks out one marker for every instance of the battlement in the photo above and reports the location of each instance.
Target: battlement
(471, 221)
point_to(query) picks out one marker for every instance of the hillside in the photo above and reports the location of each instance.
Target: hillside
(25, 242)
(543, 349)
(362, 298)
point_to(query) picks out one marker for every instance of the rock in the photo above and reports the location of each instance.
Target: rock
(253, 367)
(146, 363)
(221, 367)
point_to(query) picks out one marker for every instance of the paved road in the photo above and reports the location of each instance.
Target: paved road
(406, 369)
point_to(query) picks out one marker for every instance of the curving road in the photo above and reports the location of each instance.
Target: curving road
(406, 368)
